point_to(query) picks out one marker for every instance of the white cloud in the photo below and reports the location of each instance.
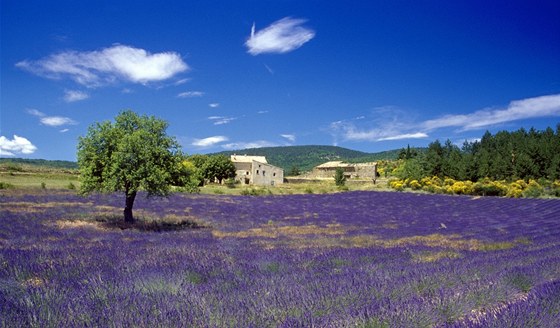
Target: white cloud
(51, 120)
(182, 81)
(35, 112)
(290, 137)
(248, 145)
(18, 145)
(262, 112)
(190, 94)
(119, 62)
(280, 37)
(64, 130)
(74, 95)
(57, 121)
(214, 105)
(219, 120)
(210, 141)
(544, 106)
(390, 130)
(417, 135)
(397, 124)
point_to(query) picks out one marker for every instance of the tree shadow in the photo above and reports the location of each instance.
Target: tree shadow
(150, 224)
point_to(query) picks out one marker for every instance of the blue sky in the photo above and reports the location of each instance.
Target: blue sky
(366, 75)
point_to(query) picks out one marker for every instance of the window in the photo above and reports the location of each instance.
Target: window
(274, 174)
(257, 172)
(264, 173)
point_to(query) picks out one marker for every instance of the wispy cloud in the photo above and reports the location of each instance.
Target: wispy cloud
(190, 94)
(397, 125)
(17, 145)
(209, 142)
(417, 135)
(100, 67)
(53, 121)
(544, 106)
(182, 81)
(214, 105)
(290, 137)
(248, 145)
(269, 69)
(349, 131)
(282, 36)
(385, 123)
(74, 95)
(219, 120)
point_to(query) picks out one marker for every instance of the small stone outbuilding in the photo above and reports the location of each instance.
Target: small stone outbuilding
(351, 170)
(255, 170)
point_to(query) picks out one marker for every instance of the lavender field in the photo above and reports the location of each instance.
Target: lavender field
(354, 259)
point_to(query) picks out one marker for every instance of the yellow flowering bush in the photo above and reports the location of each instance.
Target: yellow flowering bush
(534, 189)
(484, 187)
(398, 186)
(515, 189)
(448, 182)
(415, 185)
(556, 188)
(462, 187)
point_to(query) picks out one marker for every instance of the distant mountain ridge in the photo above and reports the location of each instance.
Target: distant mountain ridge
(306, 158)
(55, 164)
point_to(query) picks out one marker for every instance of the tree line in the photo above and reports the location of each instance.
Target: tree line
(522, 154)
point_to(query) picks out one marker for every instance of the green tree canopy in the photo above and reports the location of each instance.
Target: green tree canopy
(218, 167)
(133, 153)
(339, 178)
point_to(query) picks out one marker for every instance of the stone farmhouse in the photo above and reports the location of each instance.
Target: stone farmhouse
(255, 170)
(351, 170)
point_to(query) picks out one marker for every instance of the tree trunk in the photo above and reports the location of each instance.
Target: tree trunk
(128, 218)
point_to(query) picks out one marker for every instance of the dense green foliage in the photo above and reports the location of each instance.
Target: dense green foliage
(132, 154)
(339, 178)
(305, 158)
(218, 168)
(513, 164)
(55, 164)
(506, 155)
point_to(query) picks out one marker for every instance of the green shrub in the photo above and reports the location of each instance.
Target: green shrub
(534, 190)
(71, 186)
(255, 191)
(556, 188)
(231, 182)
(488, 187)
(43, 185)
(191, 187)
(339, 178)
(5, 185)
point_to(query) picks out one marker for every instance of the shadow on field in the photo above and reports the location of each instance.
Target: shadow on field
(168, 223)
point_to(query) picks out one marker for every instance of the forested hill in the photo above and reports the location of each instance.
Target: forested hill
(307, 157)
(54, 164)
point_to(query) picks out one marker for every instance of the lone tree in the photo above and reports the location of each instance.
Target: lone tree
(339, 178)
(133, 153)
